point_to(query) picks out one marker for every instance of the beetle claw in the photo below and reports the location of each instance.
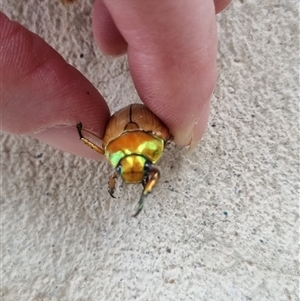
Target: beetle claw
(111, 193)
(112, 185)
(79, 129)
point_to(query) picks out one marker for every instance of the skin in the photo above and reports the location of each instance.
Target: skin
(171, 47)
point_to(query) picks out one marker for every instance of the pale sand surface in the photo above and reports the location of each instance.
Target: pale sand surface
(223, 222)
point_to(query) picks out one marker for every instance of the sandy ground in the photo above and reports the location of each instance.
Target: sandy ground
(223, 222)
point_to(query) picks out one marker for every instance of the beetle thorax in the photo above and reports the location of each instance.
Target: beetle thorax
(136, 142)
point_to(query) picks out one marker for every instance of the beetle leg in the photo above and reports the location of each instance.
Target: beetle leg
(153, 178)
(91, 144)
(145, 180)
(112, 184)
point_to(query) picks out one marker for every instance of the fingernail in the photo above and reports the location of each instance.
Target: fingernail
(199, 127)
(116, 55)
(183, 138)
(191, 136)
(122, 53)
(66, 138)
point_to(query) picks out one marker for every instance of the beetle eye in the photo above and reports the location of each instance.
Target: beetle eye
(147, 166)
(119, 169)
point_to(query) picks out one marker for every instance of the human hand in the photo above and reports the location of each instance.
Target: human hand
(171, 48)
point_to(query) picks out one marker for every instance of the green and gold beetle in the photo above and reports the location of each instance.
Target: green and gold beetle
(134, 140)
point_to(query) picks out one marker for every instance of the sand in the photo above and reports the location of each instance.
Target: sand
(223, 222)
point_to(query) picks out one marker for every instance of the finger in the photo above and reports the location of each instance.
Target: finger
(221, 5)
(172, 57)
(43, 96)
(107, 35)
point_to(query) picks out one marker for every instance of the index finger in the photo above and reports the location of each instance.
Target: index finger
(42, 96)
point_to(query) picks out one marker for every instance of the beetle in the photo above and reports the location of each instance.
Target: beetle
(133, 142)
